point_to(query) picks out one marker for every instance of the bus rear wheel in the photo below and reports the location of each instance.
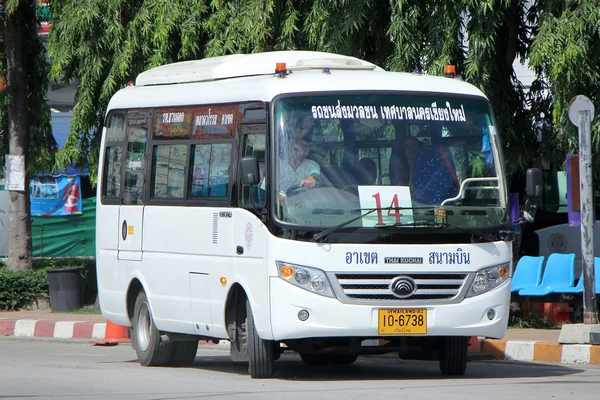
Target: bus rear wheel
(261, 353)
(453, 355)
(184, 353)
(146, 338)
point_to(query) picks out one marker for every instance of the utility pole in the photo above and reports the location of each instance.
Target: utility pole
(581, 114)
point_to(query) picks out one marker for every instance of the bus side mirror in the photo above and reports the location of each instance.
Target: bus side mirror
(533, 184)
(533, 190)
(249, 171)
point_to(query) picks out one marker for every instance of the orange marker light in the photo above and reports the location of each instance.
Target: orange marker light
(450, 71)
(286, 271)
(223, 280)
(280, 67)
(503, 272)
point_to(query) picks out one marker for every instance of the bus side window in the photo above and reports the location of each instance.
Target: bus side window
(168, 166)
(135, 165)
(112, 171)
(210, 170)
(113, 158)
(255, 145)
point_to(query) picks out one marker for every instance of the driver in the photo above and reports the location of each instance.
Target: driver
(297, 170)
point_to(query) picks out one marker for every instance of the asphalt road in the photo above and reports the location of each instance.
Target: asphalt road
(50, 369)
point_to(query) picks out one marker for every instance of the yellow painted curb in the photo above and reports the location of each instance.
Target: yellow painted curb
(496, 348)
(547, 352)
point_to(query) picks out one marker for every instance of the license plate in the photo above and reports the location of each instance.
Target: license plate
(402, 321)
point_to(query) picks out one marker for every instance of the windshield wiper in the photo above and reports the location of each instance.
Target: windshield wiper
(475, 232)
(323, 235)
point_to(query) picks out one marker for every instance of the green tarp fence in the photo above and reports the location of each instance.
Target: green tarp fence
(69, 236)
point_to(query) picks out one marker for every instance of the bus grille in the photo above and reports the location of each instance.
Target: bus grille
(376, 286)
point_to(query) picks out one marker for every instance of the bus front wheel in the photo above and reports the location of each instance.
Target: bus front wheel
(453, 355)
(146, 338)
(261, 353)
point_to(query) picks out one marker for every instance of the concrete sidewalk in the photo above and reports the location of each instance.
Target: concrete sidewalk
(538, 345)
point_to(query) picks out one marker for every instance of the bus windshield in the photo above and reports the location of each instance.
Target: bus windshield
(419, 160)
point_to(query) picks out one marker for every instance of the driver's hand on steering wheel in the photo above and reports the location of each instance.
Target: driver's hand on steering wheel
(309, 182)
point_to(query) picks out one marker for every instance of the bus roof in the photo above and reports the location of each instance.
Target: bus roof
(239, 65)
(239, 78)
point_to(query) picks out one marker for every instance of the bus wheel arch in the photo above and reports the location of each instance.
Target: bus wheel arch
(135, 287)
(235, 311)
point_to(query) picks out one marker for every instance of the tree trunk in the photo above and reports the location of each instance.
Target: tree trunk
(19, 245)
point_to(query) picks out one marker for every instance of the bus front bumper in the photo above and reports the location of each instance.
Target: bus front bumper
(328, 317)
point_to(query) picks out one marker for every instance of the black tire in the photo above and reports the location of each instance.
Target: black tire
(453, 355)
(261, 353)
(184, 353)
(328, 359)
(145, 337)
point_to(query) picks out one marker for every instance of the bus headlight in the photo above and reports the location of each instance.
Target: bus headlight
(487, 279)
(311, 279)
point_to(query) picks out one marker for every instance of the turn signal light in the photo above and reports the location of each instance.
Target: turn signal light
(503, 272)
(286, 271)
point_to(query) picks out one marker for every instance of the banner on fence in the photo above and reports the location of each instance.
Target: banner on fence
(55, 195)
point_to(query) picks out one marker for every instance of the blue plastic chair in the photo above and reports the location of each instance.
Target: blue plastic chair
(528, 273)
(559, 273)
(579, 288)
(570, 289)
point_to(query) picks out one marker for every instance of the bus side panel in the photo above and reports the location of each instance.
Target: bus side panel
(252, 270)
(187, 248)
(113, 279)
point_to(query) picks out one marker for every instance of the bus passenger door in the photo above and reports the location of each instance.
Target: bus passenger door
(131, 211)
(250, 237)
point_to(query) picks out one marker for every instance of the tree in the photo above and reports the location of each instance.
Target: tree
(566, 52)
(106, 43)
(25, 116)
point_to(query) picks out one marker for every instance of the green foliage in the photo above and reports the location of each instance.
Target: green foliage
(566, 52)
(106, 43)
(42, 145)
(19, 288)
(534, 320)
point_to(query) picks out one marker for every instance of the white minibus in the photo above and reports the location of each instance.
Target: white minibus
(302, 202)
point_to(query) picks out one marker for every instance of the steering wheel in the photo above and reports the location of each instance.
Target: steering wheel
(294, 190)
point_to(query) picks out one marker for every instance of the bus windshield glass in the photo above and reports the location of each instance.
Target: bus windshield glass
(420, 160)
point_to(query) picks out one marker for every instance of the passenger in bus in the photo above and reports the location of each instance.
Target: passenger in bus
(434, 175)
(428, 170)
(402, 162)
(367, 171)
(296, 170)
